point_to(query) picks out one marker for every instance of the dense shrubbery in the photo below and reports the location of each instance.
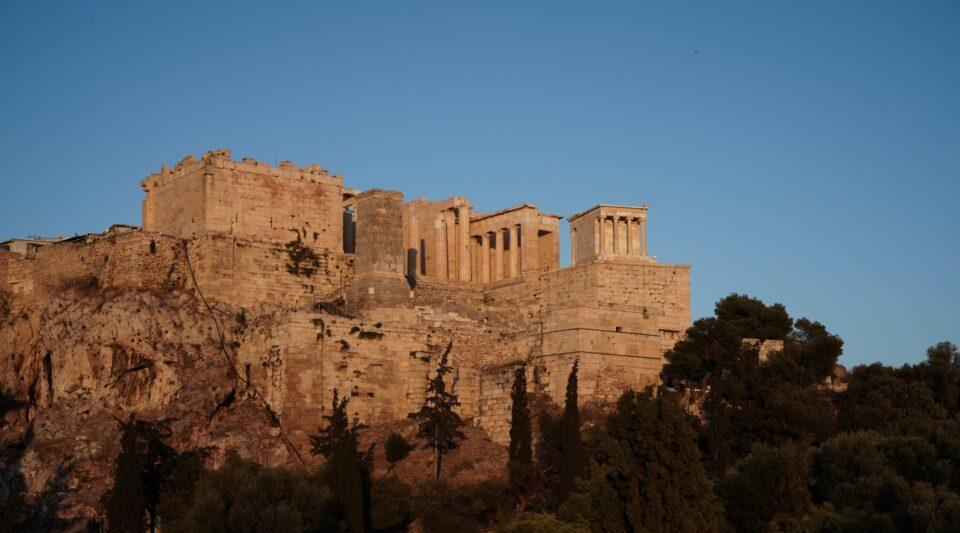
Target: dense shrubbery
(777, 447)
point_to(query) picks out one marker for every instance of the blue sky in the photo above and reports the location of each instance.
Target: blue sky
(801, 152)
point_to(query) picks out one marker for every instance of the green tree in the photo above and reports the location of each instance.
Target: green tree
(441, 507)
(878, 399)
(346, 469)
(647, 475)
(439, 424)
(131, 504)
(180, 474)
(749, 400)
(752, 319)
(548, 452)
(520, 463)
(573, 457)
(539, 523)
(391, 504)
(244, 496)
(770, 486)
(940, 373)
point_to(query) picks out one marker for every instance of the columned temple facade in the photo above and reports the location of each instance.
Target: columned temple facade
(447, 240)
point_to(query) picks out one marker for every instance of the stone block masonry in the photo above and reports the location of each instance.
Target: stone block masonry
(359, 291)
(246, 199)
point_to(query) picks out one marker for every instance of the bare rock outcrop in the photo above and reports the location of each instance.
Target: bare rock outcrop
(89, 358)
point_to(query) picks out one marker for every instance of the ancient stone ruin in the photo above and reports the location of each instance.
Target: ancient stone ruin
(304, 286)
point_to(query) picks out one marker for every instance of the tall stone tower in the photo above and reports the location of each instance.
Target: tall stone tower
(379, 260)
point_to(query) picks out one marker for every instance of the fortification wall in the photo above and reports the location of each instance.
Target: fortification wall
(130, 260)
(381, 362)
(516, 300)
(247, 199)
(615, 318)
(247, 273)
(449, 297)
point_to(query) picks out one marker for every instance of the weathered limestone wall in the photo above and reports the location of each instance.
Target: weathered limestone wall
(247, 199)
(616, 318)
(247, 273)
(379, 258)
(130, 260)
(516, 300)
(466, 300)
(381, 362)
(377, 365)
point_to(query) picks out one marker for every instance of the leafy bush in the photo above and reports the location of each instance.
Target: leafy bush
(390, 509)
(540, 523)
(244, 496)
(397, 448)
(440, 507)
(303, 261)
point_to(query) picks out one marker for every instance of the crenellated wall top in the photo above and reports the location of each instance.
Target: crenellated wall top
(606, 210)
(221, 159)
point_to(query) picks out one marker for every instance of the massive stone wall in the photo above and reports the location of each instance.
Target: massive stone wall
(616, 318)
(248, 273)
(123, 261)
(247, 199)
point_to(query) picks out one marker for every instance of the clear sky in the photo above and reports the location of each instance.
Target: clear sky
(802, 152)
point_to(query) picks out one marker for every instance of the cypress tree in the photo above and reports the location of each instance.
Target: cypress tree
(520, 463)
(337, 442)
(131, 504)
(439, 424)
(573, 459)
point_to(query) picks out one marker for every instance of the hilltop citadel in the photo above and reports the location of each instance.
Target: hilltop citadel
(360, 291)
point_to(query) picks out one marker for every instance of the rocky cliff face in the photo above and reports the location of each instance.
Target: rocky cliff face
(89, 357)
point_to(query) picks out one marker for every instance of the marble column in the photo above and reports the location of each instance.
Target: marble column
(415, 244)
(573, 246)
(643, 236)
(601, 236)
(514, 251)
(616, 236)
(485, 257)
(498, 255)
(463, 220)
(439, 249)
(450, 225)
(631, 249)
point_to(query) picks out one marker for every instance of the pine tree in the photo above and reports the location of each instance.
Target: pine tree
(520, 464)
(337, 443)
(439, 424)
(648, 475)
(573, 459)
(131, 504)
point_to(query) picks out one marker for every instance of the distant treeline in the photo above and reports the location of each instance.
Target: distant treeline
(779, 445)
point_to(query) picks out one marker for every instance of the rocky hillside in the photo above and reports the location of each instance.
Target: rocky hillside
(90, 357)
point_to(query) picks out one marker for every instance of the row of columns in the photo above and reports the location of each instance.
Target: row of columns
(452, 244)
(492, 269)
(633, 228)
